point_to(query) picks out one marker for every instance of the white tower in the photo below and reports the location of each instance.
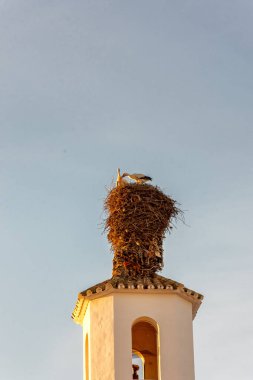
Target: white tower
(138, 325)
(149, 318)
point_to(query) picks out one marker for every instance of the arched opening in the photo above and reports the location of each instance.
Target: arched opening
(86, 357)
(145, 347)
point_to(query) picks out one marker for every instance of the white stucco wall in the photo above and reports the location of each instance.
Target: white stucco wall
(100, 327)
(86, 331)
(110, 319)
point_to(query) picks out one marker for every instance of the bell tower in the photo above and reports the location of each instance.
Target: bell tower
(137, 324)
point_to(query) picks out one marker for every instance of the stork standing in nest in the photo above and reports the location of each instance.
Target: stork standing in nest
(138, 178)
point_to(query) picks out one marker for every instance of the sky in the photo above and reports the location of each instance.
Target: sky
(158, 87)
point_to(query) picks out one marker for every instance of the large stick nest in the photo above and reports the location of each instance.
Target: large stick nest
(138, 216)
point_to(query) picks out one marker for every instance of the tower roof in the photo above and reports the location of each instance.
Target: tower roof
(145, 285)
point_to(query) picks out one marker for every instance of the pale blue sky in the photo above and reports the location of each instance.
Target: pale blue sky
(159, 87)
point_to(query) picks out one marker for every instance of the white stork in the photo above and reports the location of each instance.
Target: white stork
(138, 178)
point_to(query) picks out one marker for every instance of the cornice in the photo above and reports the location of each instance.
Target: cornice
(115, 285)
